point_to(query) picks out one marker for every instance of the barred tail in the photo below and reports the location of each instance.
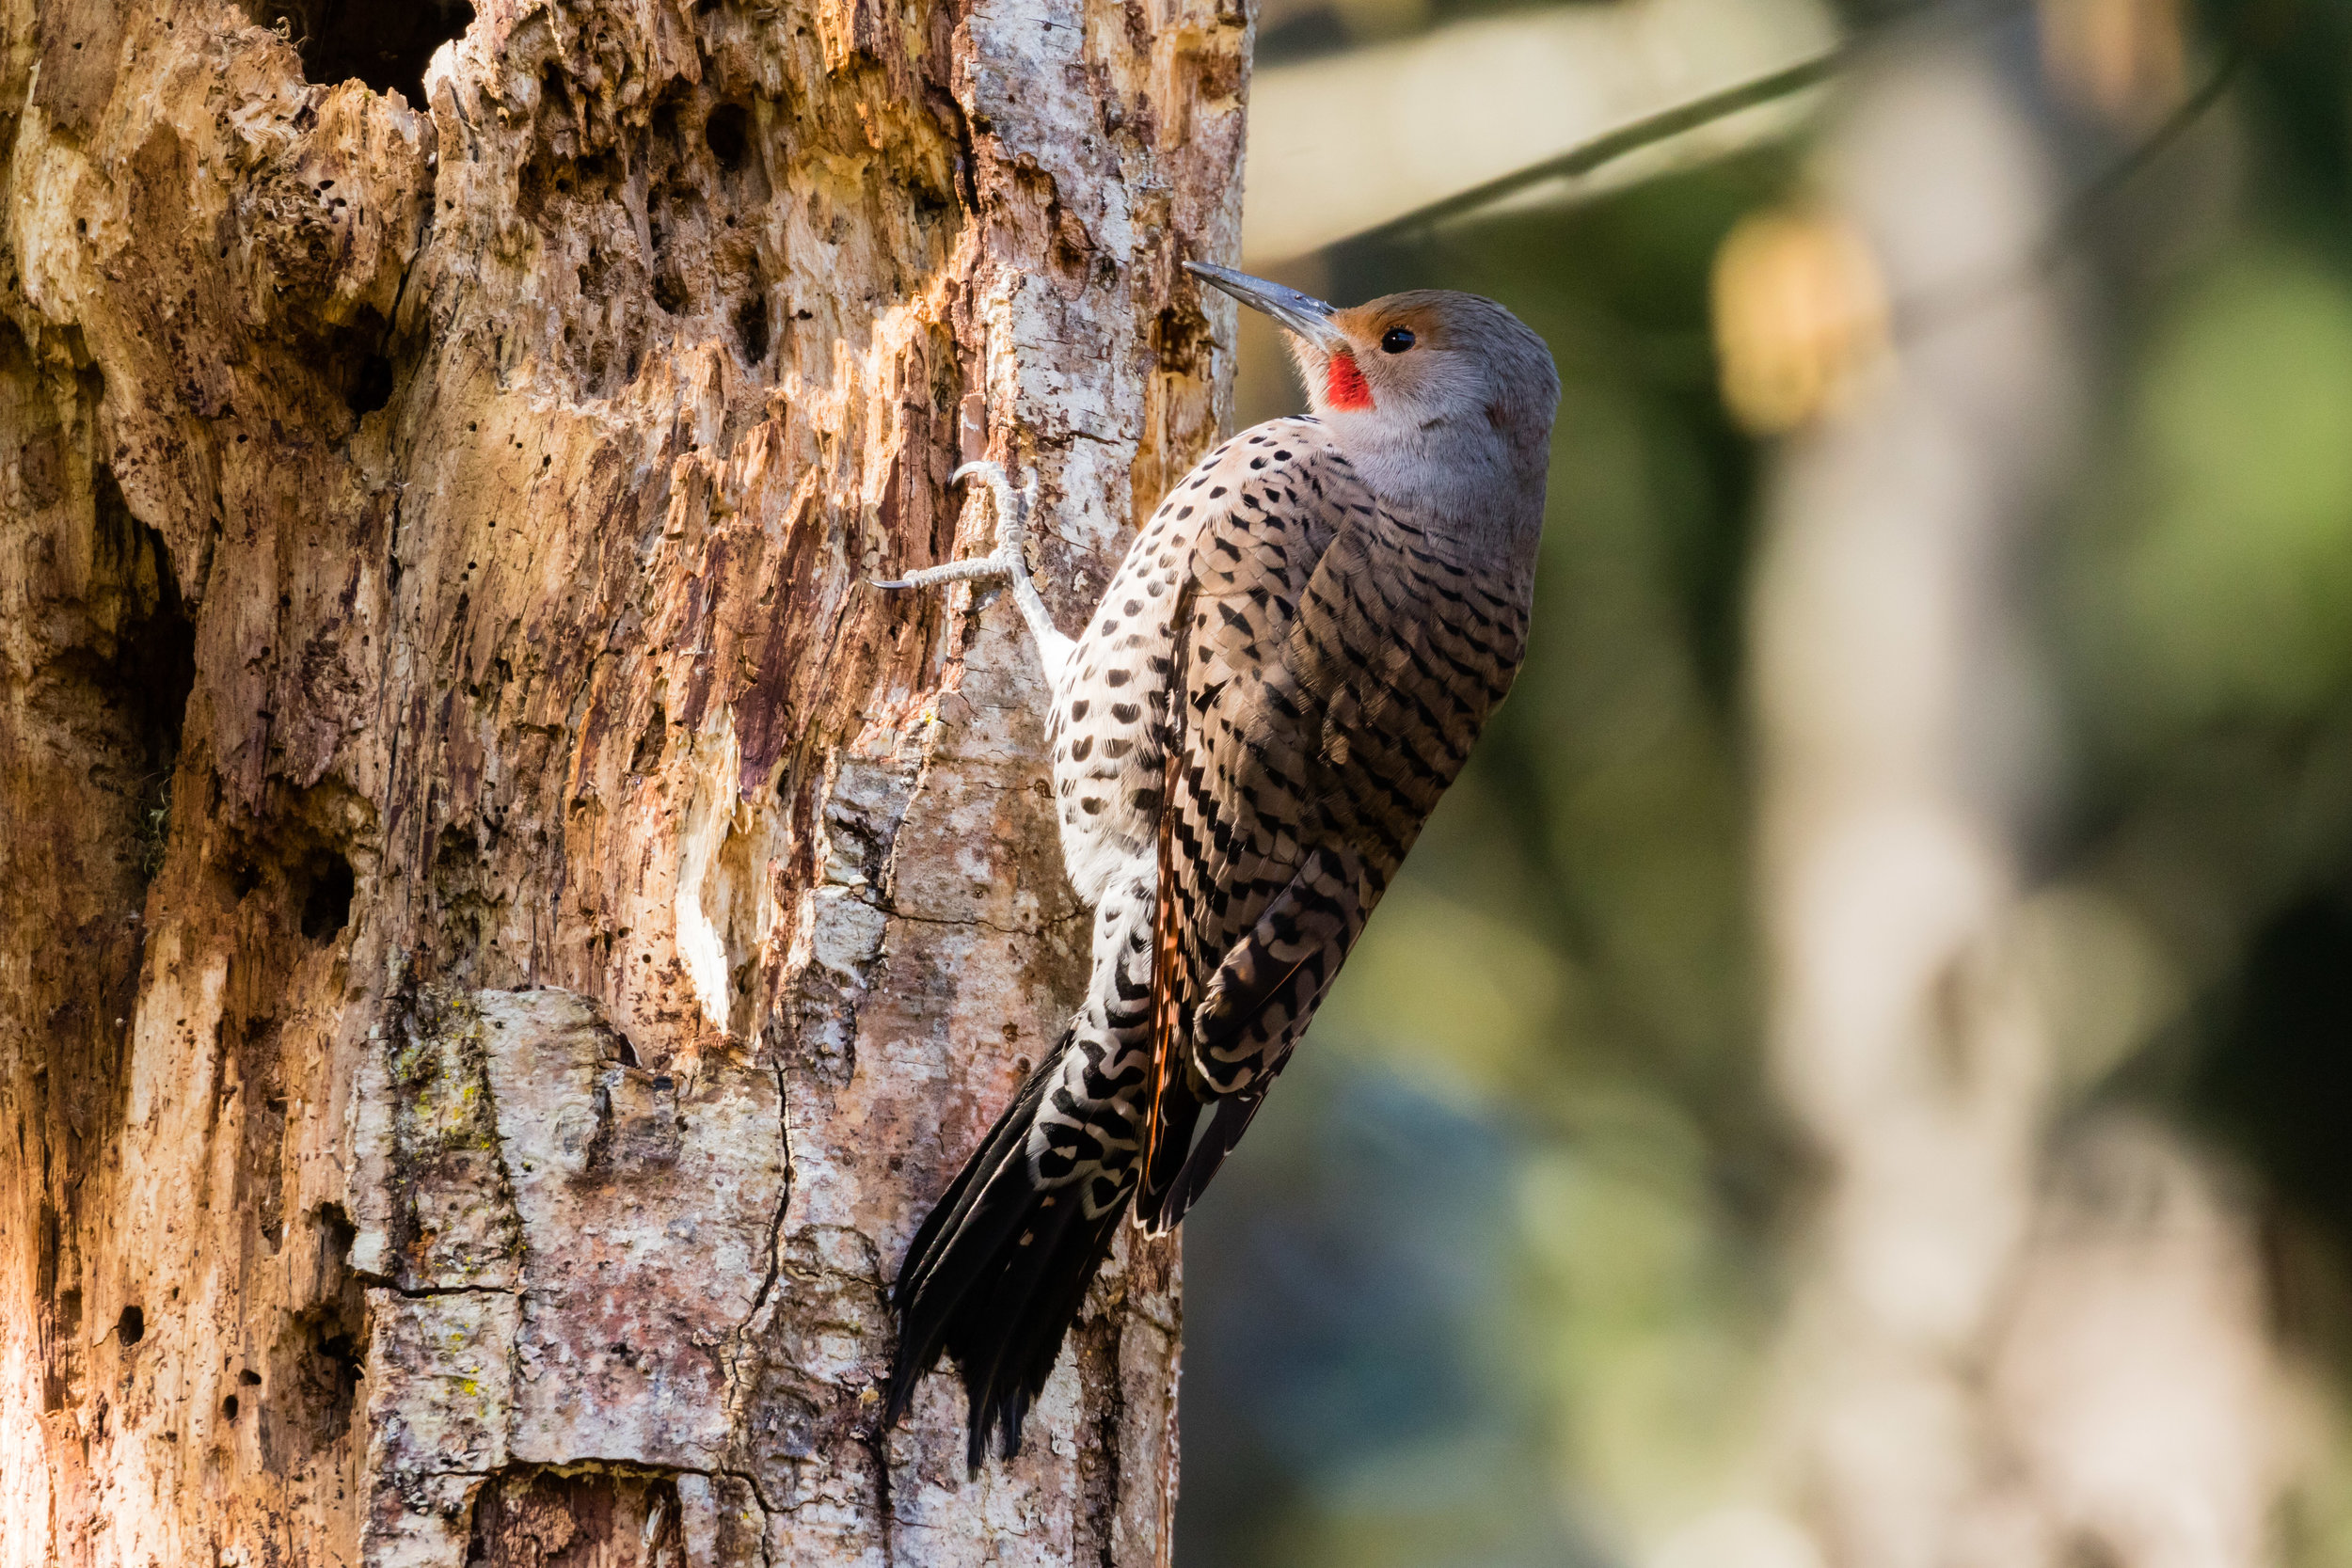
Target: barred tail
(995, 1277)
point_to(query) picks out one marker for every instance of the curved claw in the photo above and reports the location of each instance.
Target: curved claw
(980, 466)
(877, 583)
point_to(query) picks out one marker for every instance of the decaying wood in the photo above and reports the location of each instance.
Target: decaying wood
(500, 933)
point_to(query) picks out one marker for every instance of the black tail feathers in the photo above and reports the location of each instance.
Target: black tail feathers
(1169, 1195)
(995, 1277)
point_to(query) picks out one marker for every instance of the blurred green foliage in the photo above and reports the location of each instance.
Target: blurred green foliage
(2226, 590)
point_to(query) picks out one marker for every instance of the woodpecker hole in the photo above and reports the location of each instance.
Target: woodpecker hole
(130, 1327)
(558, 100)
(229, 1408)
(751, 326)
(327, 886)
(383, 44)
(727, 133)
(153, 669)
(371, 385)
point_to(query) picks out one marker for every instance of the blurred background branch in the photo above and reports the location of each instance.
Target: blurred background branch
(1609, 146)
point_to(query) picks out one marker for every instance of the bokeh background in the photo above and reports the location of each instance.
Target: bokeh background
(1859, 1071)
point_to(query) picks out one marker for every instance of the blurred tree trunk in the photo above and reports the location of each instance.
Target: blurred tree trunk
(501, 934)
(2015, 1342)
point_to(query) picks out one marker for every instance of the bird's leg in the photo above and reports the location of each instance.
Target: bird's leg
(1009, 563)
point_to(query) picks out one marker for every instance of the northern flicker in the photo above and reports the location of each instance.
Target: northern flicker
(1280, 681)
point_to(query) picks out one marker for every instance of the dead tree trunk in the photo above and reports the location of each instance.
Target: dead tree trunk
(500, 933)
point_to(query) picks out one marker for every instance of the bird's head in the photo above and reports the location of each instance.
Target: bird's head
(1412, 381)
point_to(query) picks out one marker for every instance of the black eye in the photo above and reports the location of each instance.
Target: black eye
(1396, 340)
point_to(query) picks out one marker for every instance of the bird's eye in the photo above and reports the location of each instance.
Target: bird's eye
(1396, 340)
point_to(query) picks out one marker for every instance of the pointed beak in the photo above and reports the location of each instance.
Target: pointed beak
(1304, 314)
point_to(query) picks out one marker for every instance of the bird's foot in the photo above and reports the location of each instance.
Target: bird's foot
(1008, 560)
(1009, 563)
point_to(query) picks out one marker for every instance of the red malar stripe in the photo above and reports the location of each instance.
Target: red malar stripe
(1344, 384)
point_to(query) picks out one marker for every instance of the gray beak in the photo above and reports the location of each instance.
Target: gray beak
(1304, 314)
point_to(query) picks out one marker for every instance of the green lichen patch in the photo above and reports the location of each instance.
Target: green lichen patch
(456, 1222)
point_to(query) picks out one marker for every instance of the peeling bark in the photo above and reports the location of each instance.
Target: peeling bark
(502, 935)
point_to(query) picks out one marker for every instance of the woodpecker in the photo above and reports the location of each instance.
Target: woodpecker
(1282, 678)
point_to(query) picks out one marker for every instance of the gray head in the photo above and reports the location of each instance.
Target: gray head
(1443, 401)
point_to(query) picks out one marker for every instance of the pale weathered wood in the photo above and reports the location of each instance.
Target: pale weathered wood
(501, 934)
